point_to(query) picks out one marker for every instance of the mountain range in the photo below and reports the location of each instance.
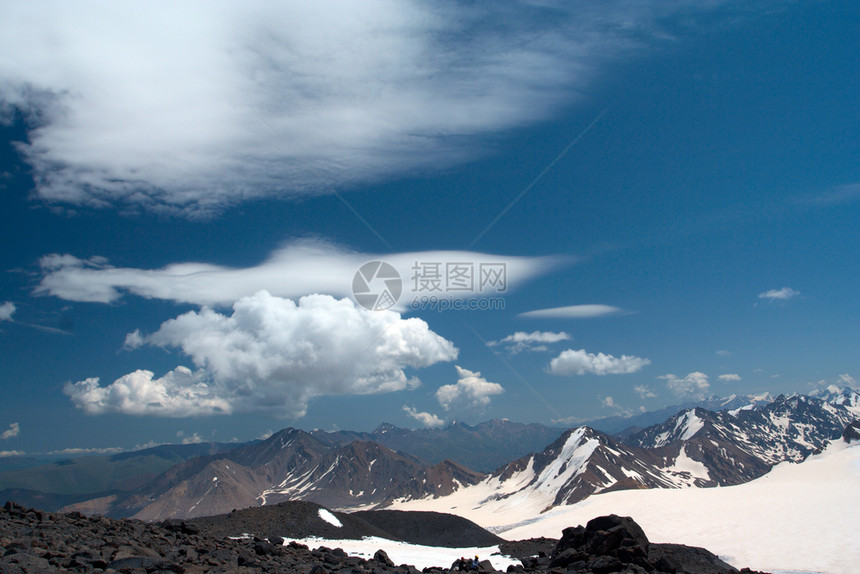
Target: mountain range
(696, 447)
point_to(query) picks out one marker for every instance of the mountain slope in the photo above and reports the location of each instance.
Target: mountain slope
(291, 465)
(790, 428)
(66, 481)
(694, 448)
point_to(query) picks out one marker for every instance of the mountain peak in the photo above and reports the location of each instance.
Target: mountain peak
(384, 428)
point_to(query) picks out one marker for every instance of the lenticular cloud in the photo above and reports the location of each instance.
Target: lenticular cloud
(271, 355)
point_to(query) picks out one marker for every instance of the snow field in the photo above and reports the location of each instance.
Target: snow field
(405, 553)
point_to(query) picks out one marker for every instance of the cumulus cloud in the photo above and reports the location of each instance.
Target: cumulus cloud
(272, 355)
(574, 312)
(730, 377)
(298, 269)
(13, 431)
(783, 294)
(694, 385)
(644, 392)
(581, 362)
(6, 311)
(220, 102)
(534, 341)
(608, 402)
(471, 390)
(426, 419)
(195, 438)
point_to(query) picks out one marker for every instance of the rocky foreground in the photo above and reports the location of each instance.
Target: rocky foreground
(33, 541)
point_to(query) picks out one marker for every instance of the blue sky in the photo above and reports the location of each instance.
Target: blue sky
(672, 191)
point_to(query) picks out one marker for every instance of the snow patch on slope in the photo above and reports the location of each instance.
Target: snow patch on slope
(329, 517)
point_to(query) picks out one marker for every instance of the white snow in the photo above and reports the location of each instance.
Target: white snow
(330, 518)
(685, 464)
(690, 423)
(734, 412)
(797, 518)
(414, 554)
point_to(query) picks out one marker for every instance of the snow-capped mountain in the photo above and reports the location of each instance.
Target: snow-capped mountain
(694, 448)
(845, 396)
(789, 428)
(583, 462)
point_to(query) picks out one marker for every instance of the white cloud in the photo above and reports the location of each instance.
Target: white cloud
(783, 294)
(724, 353)
(471, 390)
(13, 431)
(522, 341)
(8, 453)
(567, 421)
(298, 269)
(694, 385)
(608, 402)
(730, 377)
(427, 419)
(581, 362)
(847, 380)
(7, 309)
(179, 393)
(644, 392)
(839, 195)
(133, 340)
(272, 355)
(266, 435)
(574, 312)
(193, 439)
(144, 105)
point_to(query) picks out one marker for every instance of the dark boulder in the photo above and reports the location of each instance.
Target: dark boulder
(616, 537)
(381, 557)
(678, 559)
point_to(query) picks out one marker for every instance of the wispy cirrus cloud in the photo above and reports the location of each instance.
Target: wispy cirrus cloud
(842, 194)
(13, 431)
(301, 268)
(534, 341)
(190, 112)
(271, 355)
(783, 294)
(574, 312)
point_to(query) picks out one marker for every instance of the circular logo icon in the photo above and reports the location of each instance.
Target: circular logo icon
(377, 286)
